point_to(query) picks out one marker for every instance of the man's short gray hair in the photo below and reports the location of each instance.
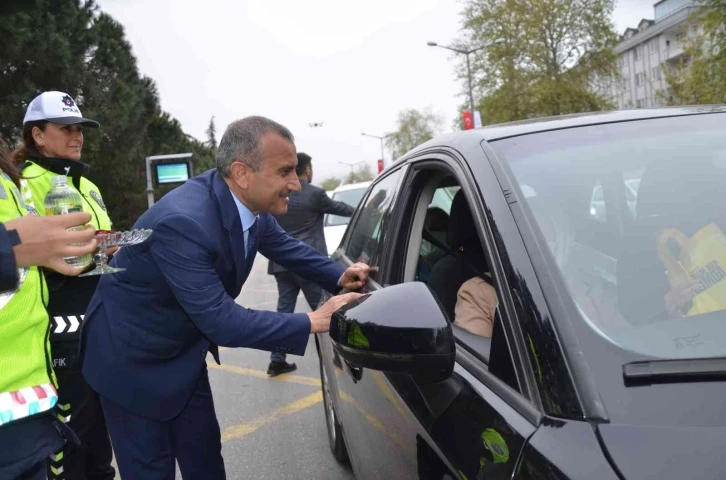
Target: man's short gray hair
(242, 142)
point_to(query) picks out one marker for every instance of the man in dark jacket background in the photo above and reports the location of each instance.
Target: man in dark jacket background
(303, 221)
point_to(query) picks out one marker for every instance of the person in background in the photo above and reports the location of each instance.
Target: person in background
(52, 145)
(304, 221)
(29, 431)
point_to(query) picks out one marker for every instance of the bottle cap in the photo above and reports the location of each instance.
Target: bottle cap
(59, 180)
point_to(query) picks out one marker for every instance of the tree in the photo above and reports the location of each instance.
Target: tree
(414, 128)
(90, 58)
(362, 173)
(43, 48)
(699, 76)
(541, 56)
(330, 183)
(125, 104)
(212, 135)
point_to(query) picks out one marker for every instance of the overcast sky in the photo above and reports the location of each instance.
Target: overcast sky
(352, 67)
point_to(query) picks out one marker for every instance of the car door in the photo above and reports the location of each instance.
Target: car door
(464, 427)
(363, 427)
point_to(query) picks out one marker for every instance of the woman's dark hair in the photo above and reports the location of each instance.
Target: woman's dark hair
(7, 165)
(28, 144)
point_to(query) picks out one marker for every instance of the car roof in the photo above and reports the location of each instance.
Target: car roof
(351, 186)
(544, 124)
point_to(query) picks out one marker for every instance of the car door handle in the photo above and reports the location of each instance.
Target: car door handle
(353, 371)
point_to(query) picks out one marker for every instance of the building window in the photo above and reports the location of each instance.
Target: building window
(640, 104)
(655, 73)
(635, 53)
(639, 79)
(654, 45)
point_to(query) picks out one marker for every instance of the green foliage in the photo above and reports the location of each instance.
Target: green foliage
(699, 77)
(363, 173)
(414, 127)
(330, 184)
(69, 45)
(212, 135)
(540, 56)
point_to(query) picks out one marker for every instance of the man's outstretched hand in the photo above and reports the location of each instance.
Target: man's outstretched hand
(320, 318)
(356, 275)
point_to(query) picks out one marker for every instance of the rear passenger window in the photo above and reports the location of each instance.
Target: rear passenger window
(371, 225)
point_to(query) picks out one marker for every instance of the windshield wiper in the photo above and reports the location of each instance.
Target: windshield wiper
(674, 371)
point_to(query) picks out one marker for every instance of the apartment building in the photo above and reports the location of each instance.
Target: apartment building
(645, 51)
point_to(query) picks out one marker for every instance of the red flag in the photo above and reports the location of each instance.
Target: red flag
(468, 120)
(380, 165)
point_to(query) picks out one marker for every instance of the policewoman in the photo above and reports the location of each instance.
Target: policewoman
(29, 429)
(52, 143)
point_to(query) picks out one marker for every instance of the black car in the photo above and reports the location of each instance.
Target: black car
(601, 235)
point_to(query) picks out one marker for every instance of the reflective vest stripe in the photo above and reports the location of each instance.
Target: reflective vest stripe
(26, 402)
(68, 324)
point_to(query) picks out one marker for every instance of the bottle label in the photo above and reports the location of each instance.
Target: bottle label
(63, 209)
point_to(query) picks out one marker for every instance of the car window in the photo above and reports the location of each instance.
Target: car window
(351, 197)
(657, 286)
(452, 261)
(367, 234)
(434, 242)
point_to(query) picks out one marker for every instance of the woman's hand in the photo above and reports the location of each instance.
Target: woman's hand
(679, 299)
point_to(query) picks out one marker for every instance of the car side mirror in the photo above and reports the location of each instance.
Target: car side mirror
(401, 328)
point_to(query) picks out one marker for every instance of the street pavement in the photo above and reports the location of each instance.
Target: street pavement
(272, 428)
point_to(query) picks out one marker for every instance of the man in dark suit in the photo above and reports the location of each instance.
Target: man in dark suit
(304, 221)
(148, 329)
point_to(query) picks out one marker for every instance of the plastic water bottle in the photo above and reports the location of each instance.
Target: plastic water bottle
(61, 200)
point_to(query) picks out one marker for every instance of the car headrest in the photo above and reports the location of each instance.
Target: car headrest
(462, 231)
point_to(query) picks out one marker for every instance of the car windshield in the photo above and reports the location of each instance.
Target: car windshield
(351, 197)
(634, 217)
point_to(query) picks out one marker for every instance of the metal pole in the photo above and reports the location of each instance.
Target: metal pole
(471, 92)
(382, 159)
(149, 184)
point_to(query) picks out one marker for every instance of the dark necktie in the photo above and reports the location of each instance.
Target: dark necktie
(251, 239)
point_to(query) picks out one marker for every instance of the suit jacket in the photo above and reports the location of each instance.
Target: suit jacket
(304, 218)
(147, 330)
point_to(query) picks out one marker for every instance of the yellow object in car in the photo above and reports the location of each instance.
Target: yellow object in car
(701, 257)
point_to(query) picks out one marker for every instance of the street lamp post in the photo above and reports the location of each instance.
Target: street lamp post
(379, 138)
(468, 64)
(352, 166)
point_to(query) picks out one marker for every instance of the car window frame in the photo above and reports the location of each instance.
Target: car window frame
(328, 215)
(525, 399)
(341, 255)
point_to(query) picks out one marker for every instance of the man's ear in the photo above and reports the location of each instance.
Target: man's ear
(240, 173)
